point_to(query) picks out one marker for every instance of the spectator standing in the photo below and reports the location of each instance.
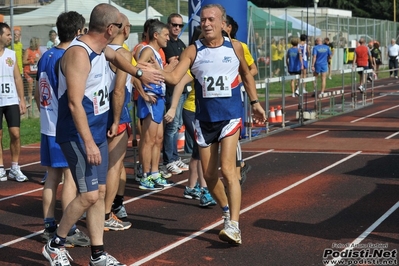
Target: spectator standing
(393, 53)
(275, 58)
(173, 50)
(294, 63)
(331, 46)
(281, 48)
(151, 112)
(321, 55)
(259, 45)
(53, 39)
(69, 25)
(376, 57)
(12, 103)
(18, 48)
(305, 50)
(81, 128)
(362, 59)
(31, 56)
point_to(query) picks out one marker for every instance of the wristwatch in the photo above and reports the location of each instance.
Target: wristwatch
(139, 73)
(254, 101)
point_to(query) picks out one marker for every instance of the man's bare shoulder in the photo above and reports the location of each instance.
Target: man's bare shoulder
(75, 50)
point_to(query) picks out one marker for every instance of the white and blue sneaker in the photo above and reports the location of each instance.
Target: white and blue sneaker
(16, 174)
(206, 198)
(147, 183)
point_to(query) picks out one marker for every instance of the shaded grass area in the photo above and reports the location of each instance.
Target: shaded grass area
(30, 132)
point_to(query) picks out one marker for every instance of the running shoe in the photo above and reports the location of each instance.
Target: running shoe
(244, 170)
(16, 174)
(160, 180)
(139, 174)
(105, 260)
(120, 212)
(192, 193)
(147, 183)
(164, 172)
(56, 256)
(206, 198)
(173, 168)
(114, 224)
(44, 178)
(47, 235)
(296, 92)
(230, 233)
(183, 166)
(361, 88)
(78, 239)
(3, 175)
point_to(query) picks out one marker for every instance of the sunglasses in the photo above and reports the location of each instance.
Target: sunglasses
(177, 25)
(118, 25)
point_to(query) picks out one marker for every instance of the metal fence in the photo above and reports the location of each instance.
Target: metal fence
(269, 27)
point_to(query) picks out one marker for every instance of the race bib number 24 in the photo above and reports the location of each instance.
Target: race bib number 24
(101, 101)
(218, 86)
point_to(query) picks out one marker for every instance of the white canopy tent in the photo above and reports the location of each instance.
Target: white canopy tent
(152, 13)
(39, 22)
(47, 15)
(302, 26)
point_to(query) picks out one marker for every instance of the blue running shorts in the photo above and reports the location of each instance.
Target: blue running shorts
(155, 110)
(50, 153)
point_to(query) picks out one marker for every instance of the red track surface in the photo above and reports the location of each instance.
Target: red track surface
(330, 182)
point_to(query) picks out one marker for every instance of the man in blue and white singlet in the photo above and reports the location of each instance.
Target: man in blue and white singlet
(216, 63)
(82, 128)
(305, 50)
(151, 112)
(69, 25)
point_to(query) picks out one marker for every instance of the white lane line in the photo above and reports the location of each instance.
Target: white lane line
(367, 232)
(393, 135)
(198, 233)
(26, 192)
(258, 154)
(9, 243)
(376, 113)
(314, 135)
(21, 194)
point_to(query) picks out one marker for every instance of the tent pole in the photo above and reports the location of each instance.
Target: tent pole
(12, 22)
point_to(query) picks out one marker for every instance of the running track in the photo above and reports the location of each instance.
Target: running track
(333, 182)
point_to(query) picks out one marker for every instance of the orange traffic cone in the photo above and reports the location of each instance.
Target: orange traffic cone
(181, 139)
(279, 115)
(272, 115)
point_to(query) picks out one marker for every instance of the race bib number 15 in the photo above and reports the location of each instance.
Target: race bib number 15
(6, 89)
(216, 87)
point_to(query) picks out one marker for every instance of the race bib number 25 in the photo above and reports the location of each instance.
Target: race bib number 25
(218, 86)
